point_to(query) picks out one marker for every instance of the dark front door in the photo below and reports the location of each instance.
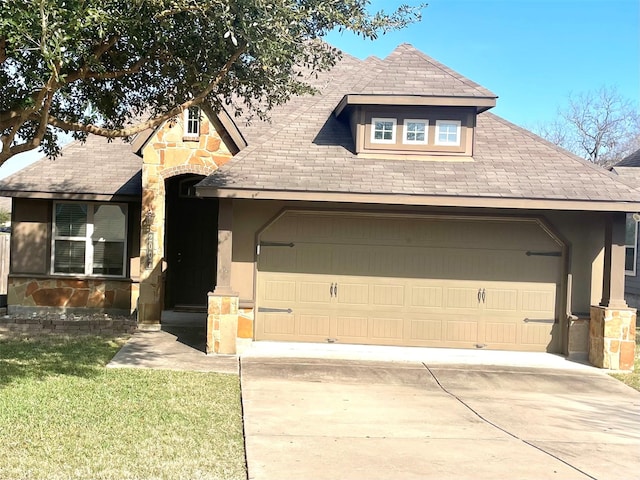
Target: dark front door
(191, 227)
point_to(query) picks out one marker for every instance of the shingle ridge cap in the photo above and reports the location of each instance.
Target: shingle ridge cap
(562, 151)
(467, 81)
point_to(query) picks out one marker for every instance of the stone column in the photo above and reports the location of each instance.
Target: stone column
(612, 323)
(222, 313)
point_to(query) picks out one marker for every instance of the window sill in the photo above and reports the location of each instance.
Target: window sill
(191, 138)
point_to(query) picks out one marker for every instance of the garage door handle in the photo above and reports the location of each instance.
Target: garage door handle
(483, 295)
(331, 290)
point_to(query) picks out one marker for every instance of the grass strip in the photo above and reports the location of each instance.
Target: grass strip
(64, 416)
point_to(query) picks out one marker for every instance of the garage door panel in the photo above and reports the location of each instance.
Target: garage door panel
(314, 325)
(388, 295)
(462, 298)
(353, 327)
(350, 260)
(314, 292)
(312, 258)
(426, 297)
(278, 324)
(500, 333)
(277, 259)
(429, 330)
(539, 300)
(501, 299)
(356, 294)
(280, 290)
(389, 329)
(536, 333)
(462, 331)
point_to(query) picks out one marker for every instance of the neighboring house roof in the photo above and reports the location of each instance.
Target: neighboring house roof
(94, 170)
(306, 153)
(632, 160)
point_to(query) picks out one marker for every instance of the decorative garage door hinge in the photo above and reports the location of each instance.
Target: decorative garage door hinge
(274, 244)
(274, 310)
(540, 320)
(544, 254)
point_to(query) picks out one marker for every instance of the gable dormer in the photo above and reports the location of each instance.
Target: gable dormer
(413, 105)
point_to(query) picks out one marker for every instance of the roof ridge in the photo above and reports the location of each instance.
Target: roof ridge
(442, 67)
(467, 81)
(566, 153)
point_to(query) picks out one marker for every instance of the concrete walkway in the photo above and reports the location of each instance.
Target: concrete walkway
(353, 412)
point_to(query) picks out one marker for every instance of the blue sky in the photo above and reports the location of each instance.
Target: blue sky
(531, 53)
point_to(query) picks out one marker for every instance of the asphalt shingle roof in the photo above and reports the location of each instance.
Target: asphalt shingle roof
(97, 167)
(306, 148)
(407, 71)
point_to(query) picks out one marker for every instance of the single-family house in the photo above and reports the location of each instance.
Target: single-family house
(392, 208)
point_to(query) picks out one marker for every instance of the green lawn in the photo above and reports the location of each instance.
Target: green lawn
(64, 416)
(632, 379)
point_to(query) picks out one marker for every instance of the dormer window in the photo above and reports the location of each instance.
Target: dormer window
(448, 132)
(416, 132)
(383, 130)
(192, 122)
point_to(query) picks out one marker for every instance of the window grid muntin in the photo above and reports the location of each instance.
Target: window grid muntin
(408, 123)
(389, 126)
(450, 129)
(88, 241)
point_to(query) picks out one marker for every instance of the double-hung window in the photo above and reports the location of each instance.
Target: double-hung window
(416, 132)
(631, 242)
(89, 239)
(383, 130)
(448, 132)
(192, 122)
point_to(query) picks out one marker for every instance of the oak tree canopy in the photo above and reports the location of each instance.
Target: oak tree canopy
(116, 67)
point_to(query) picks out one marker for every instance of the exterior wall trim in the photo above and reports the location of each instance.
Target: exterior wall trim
(423, 200)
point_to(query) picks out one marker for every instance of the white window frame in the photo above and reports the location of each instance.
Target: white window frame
(192, 125)
(394, 129)
(405, 131)
(448, 143)
(632, 272)
(88, 252)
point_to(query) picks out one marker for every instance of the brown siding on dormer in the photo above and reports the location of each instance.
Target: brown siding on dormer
(364, 115)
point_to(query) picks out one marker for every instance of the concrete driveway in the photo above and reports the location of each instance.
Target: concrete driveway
(334, 419)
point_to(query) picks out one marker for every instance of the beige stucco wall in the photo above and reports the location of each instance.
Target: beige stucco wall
(30, 240)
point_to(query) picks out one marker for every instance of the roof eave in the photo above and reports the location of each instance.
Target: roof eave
(84, 196)
(423, 200)
(480, 103)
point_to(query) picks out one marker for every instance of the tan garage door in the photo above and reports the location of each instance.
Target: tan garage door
(408, 281)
